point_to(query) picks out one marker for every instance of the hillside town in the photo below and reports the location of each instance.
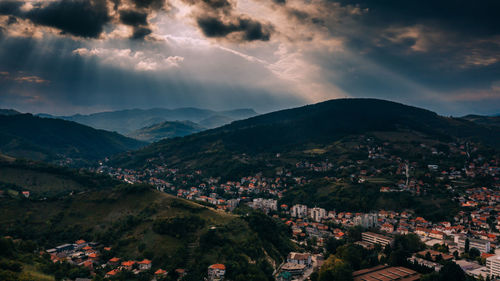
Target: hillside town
(475, 226)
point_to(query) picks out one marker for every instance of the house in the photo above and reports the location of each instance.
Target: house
(128, 265)
(114, 261)
(111, 273)
(144, 265)
(299, 258)
(387, 227)
(216, 272)
(180, 272)
(160, 272)
(26, 194)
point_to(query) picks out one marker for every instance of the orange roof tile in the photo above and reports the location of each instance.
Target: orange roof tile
(128, 263)
(160, 272)
(218, 266)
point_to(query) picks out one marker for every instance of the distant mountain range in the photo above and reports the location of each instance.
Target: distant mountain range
(243, 143)
(127, 121)
(28, 136)
(167, 129)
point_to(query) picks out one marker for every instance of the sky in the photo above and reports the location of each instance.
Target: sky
(82, 56)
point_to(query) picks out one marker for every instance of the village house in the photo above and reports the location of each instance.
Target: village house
(216, 272)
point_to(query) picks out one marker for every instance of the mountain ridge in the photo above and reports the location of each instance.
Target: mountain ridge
(304, 128)
(127, 120)
(28, 136)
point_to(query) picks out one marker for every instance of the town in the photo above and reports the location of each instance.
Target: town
(469, 238)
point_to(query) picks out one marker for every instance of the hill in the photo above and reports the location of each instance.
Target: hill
(167, 129)
(249, 144)
(215, 121)
(28, 136)
(45, 181)
(139, 222)
(126, 121)
(484, 120)
(8, 112)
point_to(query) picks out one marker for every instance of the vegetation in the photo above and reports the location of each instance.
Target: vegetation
(139, 222)
(30, 137)
(167, 129)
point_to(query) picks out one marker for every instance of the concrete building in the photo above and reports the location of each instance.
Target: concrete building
(299, 211)
(482, 245)
(375, 238)
(493, 265)
(317, 214)
(366, 220)
(265, 205)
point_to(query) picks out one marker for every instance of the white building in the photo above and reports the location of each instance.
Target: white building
(317, 214)
(366, 220)
(376, 238)
(493, 265)
(482, 245)
(299, 211)
(265, 205)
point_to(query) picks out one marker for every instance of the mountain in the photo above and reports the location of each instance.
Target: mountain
(237, 114)
(126, 121)
(484, 120)
(167, 129)
(137, 222)
(28, 136)
(215, 121)
(247, 145)
(9, 112)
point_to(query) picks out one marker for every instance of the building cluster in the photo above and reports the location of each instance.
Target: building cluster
(88, 255)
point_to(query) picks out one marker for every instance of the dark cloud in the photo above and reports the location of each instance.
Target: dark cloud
(83, 18)
(10, 7)
(217, 4)
(133, 18)
(250, 29)
(11, 20)
(154, 4)
(279, 2)
(471, 17)
(211, 4)
(140, 33)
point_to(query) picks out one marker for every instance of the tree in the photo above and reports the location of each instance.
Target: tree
(335, 269)
(474, 253)
(451, 271)
(428, 256)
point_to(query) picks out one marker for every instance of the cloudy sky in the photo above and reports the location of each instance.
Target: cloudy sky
(82, 56)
